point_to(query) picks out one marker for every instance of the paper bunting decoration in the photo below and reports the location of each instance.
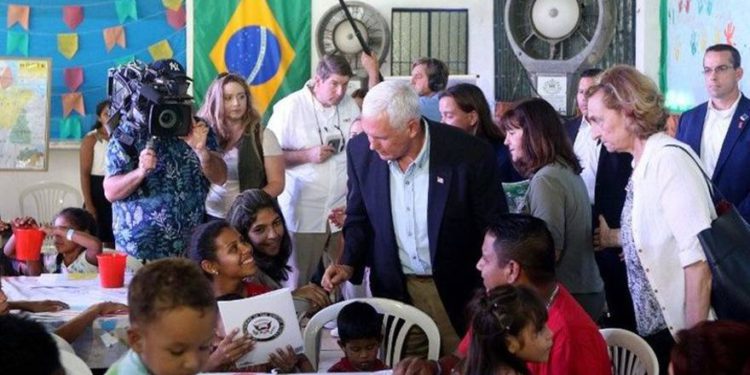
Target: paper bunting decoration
(160, 50)
(6, 78)
(73, 101)
(18, 14)
(67, 44)
(114, 35)
(73, 16)
(176, 18)
(17, 41)
(70, 127)
(73, 78)
(172, 4)
(125, 9)
(124, 60)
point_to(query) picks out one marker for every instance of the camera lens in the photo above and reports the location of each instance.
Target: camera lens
(167, 119)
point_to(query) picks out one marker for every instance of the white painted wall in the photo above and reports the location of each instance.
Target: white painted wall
(481, 46)
(63, 164)
(63, 167)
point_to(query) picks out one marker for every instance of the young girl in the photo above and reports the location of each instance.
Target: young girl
(227, 260)
(74, 231)
(509, 329)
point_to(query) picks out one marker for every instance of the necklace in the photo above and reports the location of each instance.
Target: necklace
(553, 295)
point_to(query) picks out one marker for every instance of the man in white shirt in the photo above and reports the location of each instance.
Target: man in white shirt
(312, 126)
(605, 175)
(716, 129)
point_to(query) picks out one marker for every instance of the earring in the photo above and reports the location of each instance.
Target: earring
(215, 272)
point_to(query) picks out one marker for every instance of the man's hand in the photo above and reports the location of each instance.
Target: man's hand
(319, 154)
(147, 161)
(604, 236)
(415, 366)
(337, 216)
(336, 274)
(370, 63)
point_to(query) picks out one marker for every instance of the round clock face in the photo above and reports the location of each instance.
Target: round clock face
(335, 35)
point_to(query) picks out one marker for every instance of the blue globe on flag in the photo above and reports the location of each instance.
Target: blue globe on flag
(253, 52)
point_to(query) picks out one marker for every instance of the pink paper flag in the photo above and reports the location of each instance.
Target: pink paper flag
(72, 101)
(18, 14)
(73, 16)
(114, 35)
(73, 78)
(6, 77)
(176, 18)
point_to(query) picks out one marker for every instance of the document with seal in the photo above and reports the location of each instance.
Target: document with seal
(268, 318)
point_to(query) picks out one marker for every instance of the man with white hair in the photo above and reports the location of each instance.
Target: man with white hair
(420, 196)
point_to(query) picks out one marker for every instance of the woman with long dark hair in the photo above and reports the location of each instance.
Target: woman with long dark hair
(93, 169)
(542, 151)
(258, 218)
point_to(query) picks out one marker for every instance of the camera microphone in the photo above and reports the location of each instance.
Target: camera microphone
(150, 143)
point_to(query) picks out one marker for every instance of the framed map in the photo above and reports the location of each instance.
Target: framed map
(25, 109)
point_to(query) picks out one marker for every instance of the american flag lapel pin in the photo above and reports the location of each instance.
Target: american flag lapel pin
(743, 119)
(440, 180)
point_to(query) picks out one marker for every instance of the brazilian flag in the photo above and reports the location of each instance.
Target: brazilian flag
(265, 41)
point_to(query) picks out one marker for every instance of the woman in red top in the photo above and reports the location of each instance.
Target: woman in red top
(227, 260)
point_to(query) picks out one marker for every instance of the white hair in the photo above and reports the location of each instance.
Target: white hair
(396, 99)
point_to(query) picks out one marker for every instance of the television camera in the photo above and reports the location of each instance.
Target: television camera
(154, 95)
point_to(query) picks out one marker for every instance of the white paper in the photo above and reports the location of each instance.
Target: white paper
(268, 318)
(554, 89)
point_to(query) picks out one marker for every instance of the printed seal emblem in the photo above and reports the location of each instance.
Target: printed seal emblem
(263, 326)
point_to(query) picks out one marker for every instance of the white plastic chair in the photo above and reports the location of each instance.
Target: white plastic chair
(398, 318)
(45, 199)
(630, 354)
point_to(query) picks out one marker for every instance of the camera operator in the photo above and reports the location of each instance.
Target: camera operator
(160, 162)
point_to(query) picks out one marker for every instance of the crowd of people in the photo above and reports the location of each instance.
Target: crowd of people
(401, 184)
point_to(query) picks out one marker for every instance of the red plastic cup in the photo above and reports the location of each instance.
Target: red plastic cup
(112, 269)
(28, 243)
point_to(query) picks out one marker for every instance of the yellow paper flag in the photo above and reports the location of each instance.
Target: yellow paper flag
(67, 44)
(160, 50)
(172, 4)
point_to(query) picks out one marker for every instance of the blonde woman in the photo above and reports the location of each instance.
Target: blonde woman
(253, 156)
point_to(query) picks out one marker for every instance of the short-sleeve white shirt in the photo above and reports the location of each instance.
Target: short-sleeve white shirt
(311, 190)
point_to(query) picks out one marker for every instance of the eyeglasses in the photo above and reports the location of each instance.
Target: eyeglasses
(718, 70)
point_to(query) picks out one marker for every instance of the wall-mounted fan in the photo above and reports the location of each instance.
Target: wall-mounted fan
(555, 38)
(335, 35)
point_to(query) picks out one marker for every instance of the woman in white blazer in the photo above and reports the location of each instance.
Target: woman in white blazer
(667, 205)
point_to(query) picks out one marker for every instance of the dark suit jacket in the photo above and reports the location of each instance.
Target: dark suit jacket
(612, 177)
(732, 173)
(465, 194)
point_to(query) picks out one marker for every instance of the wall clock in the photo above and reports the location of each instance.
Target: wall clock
(334, 34)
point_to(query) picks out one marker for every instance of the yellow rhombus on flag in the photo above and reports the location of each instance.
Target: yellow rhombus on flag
(254, 45)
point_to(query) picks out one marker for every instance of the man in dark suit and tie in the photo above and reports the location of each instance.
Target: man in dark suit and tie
(420, 197)
(605, 175)
(716, 129)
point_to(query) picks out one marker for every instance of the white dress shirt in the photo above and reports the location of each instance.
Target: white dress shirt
(409, 191)
(587, 150)
(714, 131)
(311, 190)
